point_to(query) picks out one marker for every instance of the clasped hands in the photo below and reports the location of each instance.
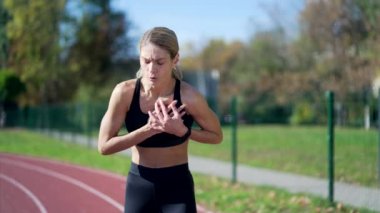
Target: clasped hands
(167, 118)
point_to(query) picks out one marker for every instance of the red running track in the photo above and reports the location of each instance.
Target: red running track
(29, 184)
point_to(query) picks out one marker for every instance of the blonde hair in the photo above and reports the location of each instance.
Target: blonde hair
(166, 39)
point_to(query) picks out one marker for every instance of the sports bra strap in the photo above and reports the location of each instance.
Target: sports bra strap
(177, 90)
(136, 93)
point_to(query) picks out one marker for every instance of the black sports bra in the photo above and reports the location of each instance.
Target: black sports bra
(136, 118)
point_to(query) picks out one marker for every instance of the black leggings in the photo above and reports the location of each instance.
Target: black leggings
(165, 190)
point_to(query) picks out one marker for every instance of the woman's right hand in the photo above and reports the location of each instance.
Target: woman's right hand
(167, 118)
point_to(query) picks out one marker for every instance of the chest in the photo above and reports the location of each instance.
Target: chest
(148, 103)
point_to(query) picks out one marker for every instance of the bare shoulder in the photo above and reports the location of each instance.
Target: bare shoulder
(190, 95)
(125, 87)
(197, 106)
(122, 94)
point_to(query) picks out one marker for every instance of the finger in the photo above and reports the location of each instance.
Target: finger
(152, 116)
(151, 119)
(154, 122)
(181, 110)
(170, 111)
(182, 113)
(174, 111)
(173, 103)
(164, 110)
(178, 112)
(157, 111)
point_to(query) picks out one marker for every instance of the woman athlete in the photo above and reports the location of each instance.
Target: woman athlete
(158, 110)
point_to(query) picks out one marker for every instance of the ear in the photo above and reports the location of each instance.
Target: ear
(175, 60)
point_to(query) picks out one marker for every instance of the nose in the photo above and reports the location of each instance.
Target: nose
(152, 68)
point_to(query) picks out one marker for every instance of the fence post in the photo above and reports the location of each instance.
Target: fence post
(330, 145)
(234, 139)
(89, 121)
(378, 127)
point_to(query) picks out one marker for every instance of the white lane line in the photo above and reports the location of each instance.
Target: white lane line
(55, 162)
(26, 191)
(67, 179)
(203, 210)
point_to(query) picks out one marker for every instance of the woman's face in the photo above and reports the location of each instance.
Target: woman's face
(155, 63)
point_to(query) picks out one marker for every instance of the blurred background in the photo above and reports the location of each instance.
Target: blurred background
(60, 60)
(278, 57)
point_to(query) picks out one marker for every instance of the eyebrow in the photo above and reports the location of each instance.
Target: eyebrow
(158, 59)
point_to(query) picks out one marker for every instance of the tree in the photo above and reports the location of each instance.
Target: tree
(344, 36)
(371, 13)
(99, 44)
(55, 51)
(190, 58)
(4, 43)
(11, 88)
(337, 30)
(33, 33)
(261, 60)
(216, 55)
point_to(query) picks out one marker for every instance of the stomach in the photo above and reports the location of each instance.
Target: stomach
(161, 157)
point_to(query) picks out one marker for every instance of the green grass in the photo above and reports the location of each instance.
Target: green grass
(301, 150)
(29, 143)
(215, 193)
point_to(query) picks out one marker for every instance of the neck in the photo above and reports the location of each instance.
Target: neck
(159, 89)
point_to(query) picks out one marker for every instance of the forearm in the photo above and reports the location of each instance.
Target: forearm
(204, 136)
(119, 143)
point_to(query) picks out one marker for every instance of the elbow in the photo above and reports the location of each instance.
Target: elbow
(218, 139)
(102, 150)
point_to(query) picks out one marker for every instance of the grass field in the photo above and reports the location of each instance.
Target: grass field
(302, 150)
(215, 193)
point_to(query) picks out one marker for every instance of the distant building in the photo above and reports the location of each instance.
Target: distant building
(376, 86)
(207, 83)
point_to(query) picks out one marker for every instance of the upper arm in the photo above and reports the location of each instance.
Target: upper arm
(197, 106)
(114, 117)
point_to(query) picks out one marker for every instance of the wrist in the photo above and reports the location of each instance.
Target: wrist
(187, 134)
(149, 130)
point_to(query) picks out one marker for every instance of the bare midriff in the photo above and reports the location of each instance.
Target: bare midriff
(155, 157)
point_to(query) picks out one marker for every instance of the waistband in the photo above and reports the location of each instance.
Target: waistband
(144, 171)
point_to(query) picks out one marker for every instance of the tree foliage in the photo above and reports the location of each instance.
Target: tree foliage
(339, 32)
(99, 42)
(33, 33)
(56, 47)
(10, 86)
(4, 43)
(276, 77)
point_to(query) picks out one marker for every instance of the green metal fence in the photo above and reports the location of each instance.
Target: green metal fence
(81, 118)
(356, 158)
(348, 156)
